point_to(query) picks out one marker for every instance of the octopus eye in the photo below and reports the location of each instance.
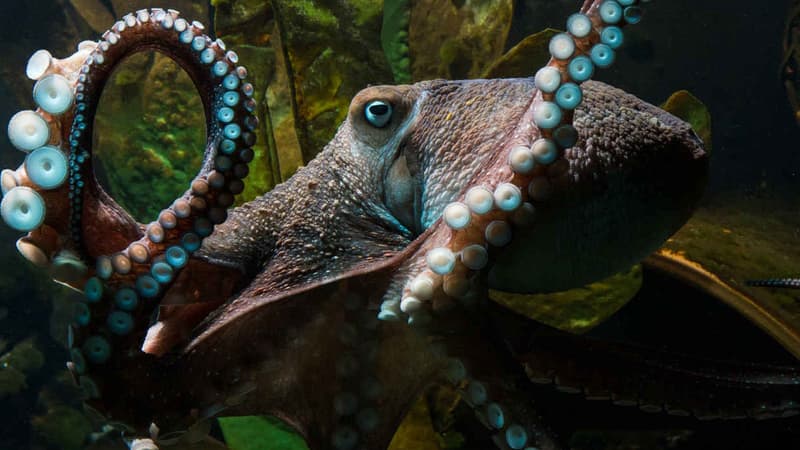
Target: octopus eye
(378, 113)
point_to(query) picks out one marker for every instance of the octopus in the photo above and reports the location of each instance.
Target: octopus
(333, 300)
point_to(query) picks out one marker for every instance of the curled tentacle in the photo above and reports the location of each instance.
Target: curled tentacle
(75, 228)
(488, 383)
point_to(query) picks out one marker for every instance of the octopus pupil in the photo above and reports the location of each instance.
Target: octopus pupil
(379, 110)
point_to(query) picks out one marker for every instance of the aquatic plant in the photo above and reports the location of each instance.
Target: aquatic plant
(15, 365)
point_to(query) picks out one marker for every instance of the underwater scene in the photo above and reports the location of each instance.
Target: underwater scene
(400, 224)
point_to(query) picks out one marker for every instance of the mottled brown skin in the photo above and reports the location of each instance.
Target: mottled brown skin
(329, 233)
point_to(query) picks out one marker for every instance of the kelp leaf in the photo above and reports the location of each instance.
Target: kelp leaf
(456, 40)
(689, 108)
(742, 239)
(576, 310)
(416, 431)
(524, 58)
(256, 433)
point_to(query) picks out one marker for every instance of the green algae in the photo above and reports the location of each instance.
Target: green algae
(62, 427)
(456, 40)
(331, 51)
(25, 357)
(244, 22)
(150, 134)
(394, 38)
(365, 11)
(259, 432)
(576, 310)
(22, 360)
(306, 28)
(60, 422)
(309, 15)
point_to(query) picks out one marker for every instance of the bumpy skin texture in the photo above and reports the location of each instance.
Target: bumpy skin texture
(621, 194)
(276, 312)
